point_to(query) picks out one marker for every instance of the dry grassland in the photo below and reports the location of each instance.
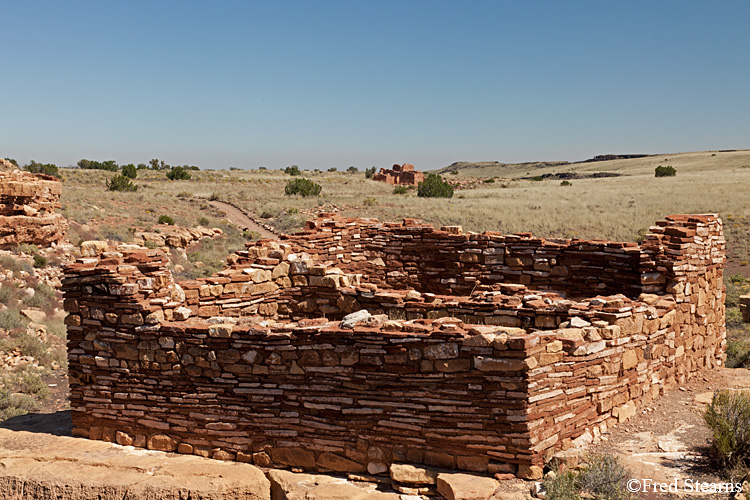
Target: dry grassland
(617, 208)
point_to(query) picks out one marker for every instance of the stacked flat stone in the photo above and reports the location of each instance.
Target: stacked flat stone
(27, 209)
(165, 235)
(399, 174)
(253, 364)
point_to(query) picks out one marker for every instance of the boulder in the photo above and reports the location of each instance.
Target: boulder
(466, 486)
(287, 485)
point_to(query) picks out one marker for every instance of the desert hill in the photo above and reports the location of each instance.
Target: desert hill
(700, 161)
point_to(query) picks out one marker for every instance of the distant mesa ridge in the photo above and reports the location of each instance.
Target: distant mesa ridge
(465, 165)
(613, 157)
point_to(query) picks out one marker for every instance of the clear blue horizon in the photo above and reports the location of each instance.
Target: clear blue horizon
(334, 83)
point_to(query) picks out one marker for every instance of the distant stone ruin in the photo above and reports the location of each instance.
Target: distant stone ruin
(399, 174)
(357, 343)
(27, 208)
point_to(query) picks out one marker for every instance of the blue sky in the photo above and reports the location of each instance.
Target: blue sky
(339, 83)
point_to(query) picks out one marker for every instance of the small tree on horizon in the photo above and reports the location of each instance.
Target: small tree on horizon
(129, 171)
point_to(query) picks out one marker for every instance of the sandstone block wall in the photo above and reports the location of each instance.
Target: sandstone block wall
(27, 209)
(399, 174)
(262, 363)
(166, 235)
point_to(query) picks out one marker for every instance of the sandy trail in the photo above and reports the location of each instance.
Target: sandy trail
(240, 218)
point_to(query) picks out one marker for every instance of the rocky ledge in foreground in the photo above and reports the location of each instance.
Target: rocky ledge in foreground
(35, 465)
(40, 460)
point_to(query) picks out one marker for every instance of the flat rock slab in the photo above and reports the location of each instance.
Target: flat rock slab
(287, 485)
(36, 465)
(412, 474)
(457, 486)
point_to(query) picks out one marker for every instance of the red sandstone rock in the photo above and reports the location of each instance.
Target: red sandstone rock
(27, 206)
(466, 487)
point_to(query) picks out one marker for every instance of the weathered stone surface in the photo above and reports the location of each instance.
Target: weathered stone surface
(35, 315)
(487, 364)
(174, 236)
(625, 411)
(352, 319)
(93, 248)
(629, 359)
(293, 456)
(454, 486)
(27, 206)
(531, 472)
(294, 486)
(413, 474)
(40, 465)
(337, 463)
(160, 442)
(181, 313)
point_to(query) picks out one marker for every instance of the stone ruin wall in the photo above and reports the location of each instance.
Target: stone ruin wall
(27, 208)
(484, 372)
(399, 174)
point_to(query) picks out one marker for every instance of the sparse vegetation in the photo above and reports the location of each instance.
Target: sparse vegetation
(400, 190)
(109, 165)
(728, 417)
(566, 183)
(292, 170)
(42, 168)
(14, 404)
(604, 477)
(302, 187)
(178, 174)
(608, 208)
(665, 171)
(130, 171)
(120, 183)
(166, 219)
(434, 187)
(11, 319)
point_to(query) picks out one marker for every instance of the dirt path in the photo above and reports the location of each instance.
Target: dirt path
(665, 442)
(240, 218)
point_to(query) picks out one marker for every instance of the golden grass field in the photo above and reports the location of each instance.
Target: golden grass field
(617, 208)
